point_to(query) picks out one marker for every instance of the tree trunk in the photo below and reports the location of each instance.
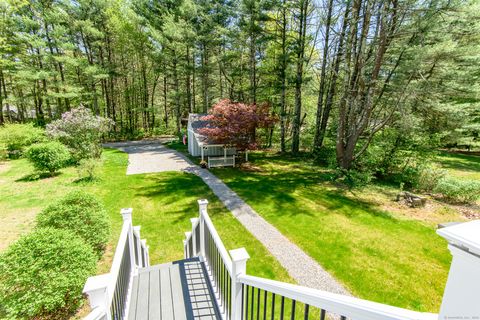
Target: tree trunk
(194, 70)
(22, 108)
(96, 108)
(111, 80)
(188, 82)
(283, 78)
(152, 105)
(318, 140)
(177, 93)
(39, 104)
(55, 80)
(165, 102)
(299, 75)
(253, 68)
(2, 120)
(7, 105)
(145, 98)
(333, 82)
(205, 79)
(361, 79)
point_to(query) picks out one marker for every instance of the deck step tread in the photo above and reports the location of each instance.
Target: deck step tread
(169, 292)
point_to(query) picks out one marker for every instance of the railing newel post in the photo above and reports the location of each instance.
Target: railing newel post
(202, 206)
(96, 288)
(239, 267)
(460, 297)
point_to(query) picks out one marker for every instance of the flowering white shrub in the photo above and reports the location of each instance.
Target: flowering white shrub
(80, 130)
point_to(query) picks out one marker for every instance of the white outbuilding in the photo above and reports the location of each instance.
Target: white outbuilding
(200, 145)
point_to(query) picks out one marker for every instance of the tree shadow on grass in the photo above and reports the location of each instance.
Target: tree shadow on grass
(37, 176)
(86, 180)
(272, 188)
(459, 162)
(280, 187)
(174, 187)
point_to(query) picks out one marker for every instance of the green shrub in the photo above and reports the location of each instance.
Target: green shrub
(88, 168)
(353, 178)
(48, 156)
(326, 156)
(158, 131)
(455, 190)
(17, 137)
(3, 152)
(43, 273)
(408, 176)
(428, 178)
(83, 214)
(398, 153)
(420, 176)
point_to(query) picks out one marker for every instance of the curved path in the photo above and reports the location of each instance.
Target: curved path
(145, 157)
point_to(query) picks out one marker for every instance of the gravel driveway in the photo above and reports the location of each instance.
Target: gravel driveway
(151, 156)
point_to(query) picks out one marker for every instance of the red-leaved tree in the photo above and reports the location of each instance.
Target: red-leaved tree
(235, 124)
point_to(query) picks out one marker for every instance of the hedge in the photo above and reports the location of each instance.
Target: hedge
(83, 214)
(43, 273)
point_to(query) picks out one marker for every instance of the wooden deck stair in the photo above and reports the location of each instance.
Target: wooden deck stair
(179, 290)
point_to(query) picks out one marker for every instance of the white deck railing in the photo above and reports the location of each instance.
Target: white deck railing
(242, 296)
(203, 241)
(342, 306)
(108, 293)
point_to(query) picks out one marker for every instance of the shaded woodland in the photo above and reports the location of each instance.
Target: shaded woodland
(345, 76)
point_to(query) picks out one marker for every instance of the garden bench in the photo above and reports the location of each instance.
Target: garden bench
(223, 161)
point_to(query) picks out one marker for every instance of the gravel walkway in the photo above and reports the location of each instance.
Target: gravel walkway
(153, 157)
(300, 266)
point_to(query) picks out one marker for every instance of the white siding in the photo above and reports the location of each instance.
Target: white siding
(195, 150)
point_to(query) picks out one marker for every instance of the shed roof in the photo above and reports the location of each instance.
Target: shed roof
(194, 119)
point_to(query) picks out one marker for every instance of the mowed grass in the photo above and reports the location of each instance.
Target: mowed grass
(379, 255)
(460, 165)
(162, 203)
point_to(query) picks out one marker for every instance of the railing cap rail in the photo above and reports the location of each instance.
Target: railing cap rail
(347, 306)
(463, 235)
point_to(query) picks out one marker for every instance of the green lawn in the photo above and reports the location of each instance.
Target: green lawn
(384, 256)
(379, 255)
(162, 203)
(460, 165)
